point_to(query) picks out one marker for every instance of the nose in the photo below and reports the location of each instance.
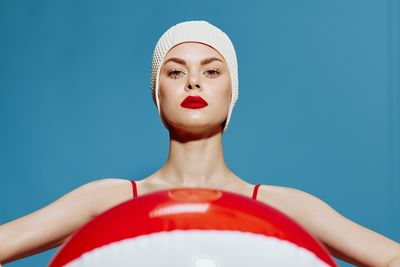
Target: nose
(193, 83)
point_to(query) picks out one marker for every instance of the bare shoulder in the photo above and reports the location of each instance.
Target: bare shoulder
(285, 197)
(296, 203)
(363, 247)
(109, 192)
(281, 196)
(312, 213)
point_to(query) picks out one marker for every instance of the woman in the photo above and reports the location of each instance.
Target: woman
(195, 87)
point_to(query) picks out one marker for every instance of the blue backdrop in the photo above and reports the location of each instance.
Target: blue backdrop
(318, 106)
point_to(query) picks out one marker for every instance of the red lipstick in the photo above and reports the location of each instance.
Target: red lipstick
(194, 102)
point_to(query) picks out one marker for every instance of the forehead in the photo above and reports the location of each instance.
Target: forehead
(194, 51)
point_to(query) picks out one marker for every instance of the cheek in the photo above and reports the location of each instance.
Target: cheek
(220, 98)
(169, 95)
(163, 97)
(224, 92)
(166, 90)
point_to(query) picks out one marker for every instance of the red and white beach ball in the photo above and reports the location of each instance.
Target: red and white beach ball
(189, 227)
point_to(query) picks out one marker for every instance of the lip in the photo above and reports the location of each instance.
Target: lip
(194, 102)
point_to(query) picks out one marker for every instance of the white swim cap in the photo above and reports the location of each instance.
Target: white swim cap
(195, 31)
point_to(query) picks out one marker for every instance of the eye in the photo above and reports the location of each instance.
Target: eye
(174, 74)
(212, 73)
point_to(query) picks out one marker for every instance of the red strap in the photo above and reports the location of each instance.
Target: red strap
(134, 189)
(255, 191)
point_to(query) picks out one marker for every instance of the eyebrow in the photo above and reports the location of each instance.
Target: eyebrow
(202, 62)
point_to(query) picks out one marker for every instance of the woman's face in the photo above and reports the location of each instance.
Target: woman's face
(186, 71)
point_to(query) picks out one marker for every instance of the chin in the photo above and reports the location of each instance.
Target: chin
(197, 129)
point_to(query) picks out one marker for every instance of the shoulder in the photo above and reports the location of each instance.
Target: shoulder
(110, 186)
(301, 206)
(362, 247)
(312, 213)
(109, 192)
(287, 196)
(110, 181)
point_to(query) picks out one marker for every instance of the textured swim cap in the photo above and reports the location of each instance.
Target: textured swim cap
(195, 31)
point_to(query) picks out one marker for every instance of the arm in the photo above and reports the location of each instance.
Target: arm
(50, 226)
(345, 239)
(395, 262)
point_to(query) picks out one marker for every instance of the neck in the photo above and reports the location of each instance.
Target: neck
(196, 162)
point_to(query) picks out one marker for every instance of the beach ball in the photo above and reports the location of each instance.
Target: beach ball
(192, 227)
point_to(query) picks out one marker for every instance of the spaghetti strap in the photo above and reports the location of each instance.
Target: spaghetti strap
(134, 189)
(255, 191)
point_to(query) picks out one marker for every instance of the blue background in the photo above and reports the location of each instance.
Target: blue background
(318, 106)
